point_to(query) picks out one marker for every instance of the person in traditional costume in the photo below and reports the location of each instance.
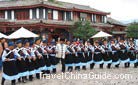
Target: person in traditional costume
(114, 53)
(98, 58)
(76, 58)
(69, 59)
(10, 71)
(90, 54)
(21, 63)
(29, 59)
(39, 57)
(107, 54)
(123, 53)
(51, 49)
(61, 50)
(84, 59)
(132, 54)
(46, 57)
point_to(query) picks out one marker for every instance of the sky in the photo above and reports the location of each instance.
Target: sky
(122, 10)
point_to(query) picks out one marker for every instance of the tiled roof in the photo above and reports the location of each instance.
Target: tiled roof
(114, 22)
(56, 4)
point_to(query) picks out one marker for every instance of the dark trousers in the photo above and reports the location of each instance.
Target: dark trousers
(63, 64)
(93, 64)
(12, 82)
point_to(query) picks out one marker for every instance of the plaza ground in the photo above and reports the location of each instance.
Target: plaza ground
(126, 76)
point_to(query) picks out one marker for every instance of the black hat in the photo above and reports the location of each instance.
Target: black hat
(122, 38)
(62, 39)
(45, 41)
(19, 41)
(10, 43)
(36, 39)
(26, 41)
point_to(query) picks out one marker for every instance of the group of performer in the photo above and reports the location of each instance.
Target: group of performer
(25, 59)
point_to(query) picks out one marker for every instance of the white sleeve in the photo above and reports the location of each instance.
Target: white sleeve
(25, 52)
(16, 53)
(92, 48)
(57, 47)
(110, 49)
(43, 50)
(32, 53)
(102, 49)
(117, 46)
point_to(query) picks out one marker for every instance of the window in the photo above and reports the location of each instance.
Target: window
(1, 14)
(103, 19)
(46, 14)
(83, 16)
(9, 14)
(83, 19)
(68, 16)
(33, 13)
(41, 13)
(22, 14)
(55, 15)
(93, 18)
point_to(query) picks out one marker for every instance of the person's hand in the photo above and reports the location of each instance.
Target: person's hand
(34, 58)
(29, 58)
(66, 53)
(19, 58)
(7, 59)
(39, 57)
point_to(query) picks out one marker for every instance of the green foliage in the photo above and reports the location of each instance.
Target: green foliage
(132, 30)
(51, 0)
(83, 30)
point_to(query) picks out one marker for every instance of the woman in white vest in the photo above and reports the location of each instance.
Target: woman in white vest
(61, 50)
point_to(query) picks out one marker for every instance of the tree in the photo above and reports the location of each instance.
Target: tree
(51, 0)
(132, 30)
(83, 30)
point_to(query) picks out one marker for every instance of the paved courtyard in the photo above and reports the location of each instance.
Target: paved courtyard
(121, 76)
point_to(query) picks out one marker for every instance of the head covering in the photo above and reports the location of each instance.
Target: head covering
(81, 41)
(36, 39)
(10, 43)
(122, 38)
(26, 41)
(62, 39)
(74, 40)
(45, 41)
(18, 41)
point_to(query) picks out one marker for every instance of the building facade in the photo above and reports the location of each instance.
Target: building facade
(52, 19)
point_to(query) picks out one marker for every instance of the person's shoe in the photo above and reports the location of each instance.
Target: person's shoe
(2, 83)
(63, 71)
(117, 66)
(13, 84)
(54, 71)
(19, 80)
(48, 72)
(70, 70)
(84, 68)
(30, 79)
(23, 81)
